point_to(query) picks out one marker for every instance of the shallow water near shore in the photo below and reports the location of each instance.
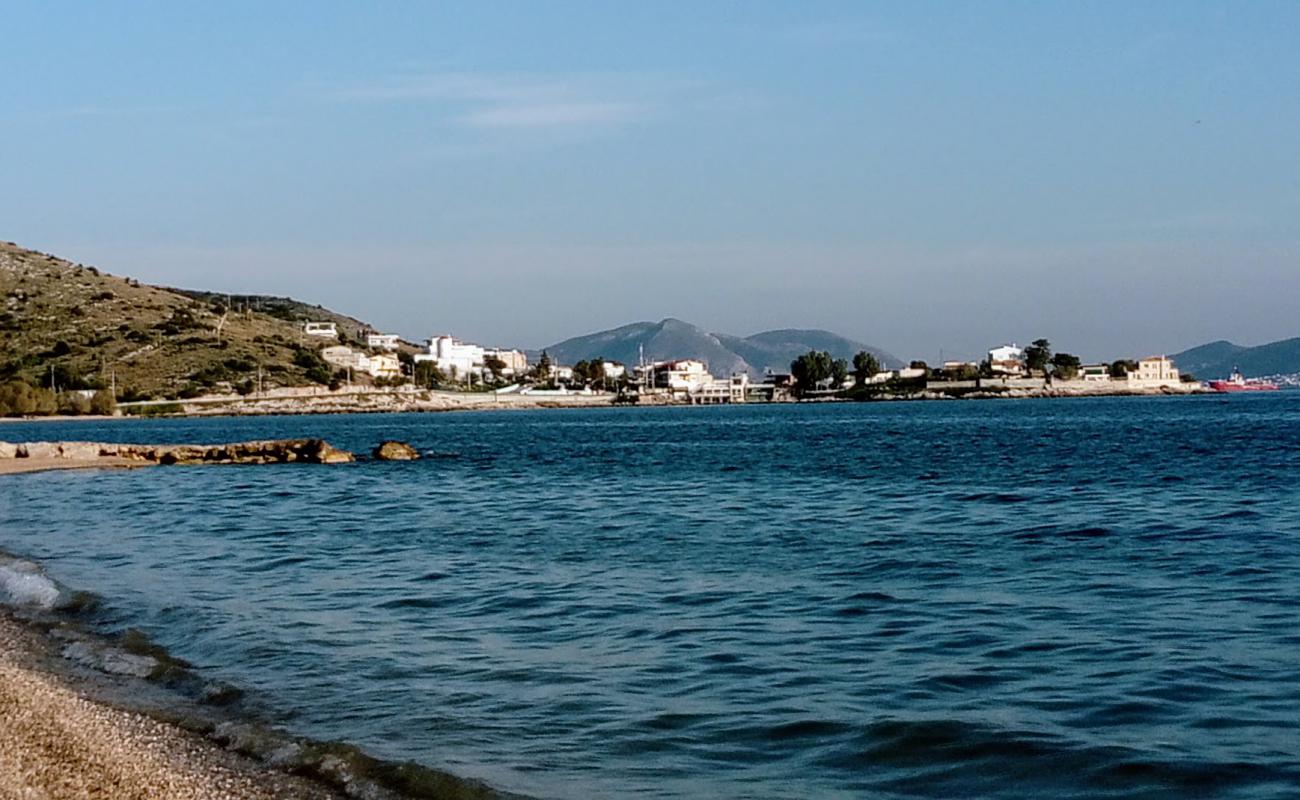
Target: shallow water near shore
(1088, 597)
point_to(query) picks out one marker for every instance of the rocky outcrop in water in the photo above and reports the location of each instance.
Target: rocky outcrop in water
(395, 451)
(273, 451)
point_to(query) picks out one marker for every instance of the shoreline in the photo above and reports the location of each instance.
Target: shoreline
(59, 740)
(403, 403)
(88, 713)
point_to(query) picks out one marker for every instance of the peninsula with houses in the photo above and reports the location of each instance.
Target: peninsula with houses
(80, 341)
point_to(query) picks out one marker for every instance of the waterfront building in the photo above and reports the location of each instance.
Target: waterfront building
(1094, 373)
(1154, 372)
(681, 376)
(1008, 359)
(326, 330)
(719, 391)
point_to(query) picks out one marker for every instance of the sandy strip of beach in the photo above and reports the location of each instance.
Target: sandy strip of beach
(15, 466)
(56, 743)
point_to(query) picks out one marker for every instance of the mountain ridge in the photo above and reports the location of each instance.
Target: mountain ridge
(725, 354)
(1217, 359)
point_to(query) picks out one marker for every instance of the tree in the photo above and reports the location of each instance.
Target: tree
(810, 370)
(542, 372)
(580, 372)
(1038, 354)
(1121, 368)
(1065, 366)
(495, 366)
(20, 399)
(864, 366)
(839, 373)
(428, 375)
(103, 403)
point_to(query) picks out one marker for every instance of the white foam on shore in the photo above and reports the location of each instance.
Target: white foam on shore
(22, 584)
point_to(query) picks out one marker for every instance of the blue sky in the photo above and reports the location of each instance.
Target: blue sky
(1122, 178)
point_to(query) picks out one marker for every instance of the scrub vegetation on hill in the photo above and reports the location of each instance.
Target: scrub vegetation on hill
(69, 327)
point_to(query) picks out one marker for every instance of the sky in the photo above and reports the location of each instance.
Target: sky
(931, 178)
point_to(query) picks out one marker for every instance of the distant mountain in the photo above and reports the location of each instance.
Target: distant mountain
(1216, 359)
(725, 354)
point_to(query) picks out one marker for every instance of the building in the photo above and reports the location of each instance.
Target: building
(1009, 359)
(454, 358)
(612, 370)
(346, 358)
(1154, 372)
(384, 365)
(327, 330)
(1094, 373)
(516, 363)
(720, 391)
(683, 376)
(381, 341)
(381, 365)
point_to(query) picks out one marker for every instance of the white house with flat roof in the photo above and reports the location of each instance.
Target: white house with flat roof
(326, 330)
(381, 341)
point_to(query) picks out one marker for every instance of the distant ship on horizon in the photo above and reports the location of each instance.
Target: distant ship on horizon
(1239, 383)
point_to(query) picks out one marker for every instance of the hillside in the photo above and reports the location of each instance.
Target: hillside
(725, 354)
(83, 328)
(1217, 359)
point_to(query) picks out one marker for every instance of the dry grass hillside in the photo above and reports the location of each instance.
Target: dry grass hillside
(83, 329)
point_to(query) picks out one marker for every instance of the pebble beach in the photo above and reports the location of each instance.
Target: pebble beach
(55, 743)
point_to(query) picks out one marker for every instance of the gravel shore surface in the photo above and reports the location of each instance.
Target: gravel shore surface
(56, 743)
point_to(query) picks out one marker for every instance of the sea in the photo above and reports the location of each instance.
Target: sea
(1066, 598)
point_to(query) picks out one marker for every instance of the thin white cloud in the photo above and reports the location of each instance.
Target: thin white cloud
(512, 101)
(548, 115)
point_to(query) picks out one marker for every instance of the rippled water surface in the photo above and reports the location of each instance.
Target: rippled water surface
(1005, 599)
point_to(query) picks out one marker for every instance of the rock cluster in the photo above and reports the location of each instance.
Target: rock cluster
(395, 451)
(275, 451)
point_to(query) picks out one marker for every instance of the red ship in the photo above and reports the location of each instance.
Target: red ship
(1237, 383)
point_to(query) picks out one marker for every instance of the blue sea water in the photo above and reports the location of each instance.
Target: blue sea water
(1005, 599)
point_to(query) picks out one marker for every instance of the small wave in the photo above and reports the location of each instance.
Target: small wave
(22, 584)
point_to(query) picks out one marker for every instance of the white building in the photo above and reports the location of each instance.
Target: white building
(1009, 359)
(381, 365)
(327, 330)
(612, 370)
(686, 375)
(515, 360)
(381, 341)
(346, 358)
(1154, 372)
(384, 365)
(454, 358)
(1094, 373)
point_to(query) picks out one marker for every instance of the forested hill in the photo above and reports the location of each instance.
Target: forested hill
(1217, 359)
